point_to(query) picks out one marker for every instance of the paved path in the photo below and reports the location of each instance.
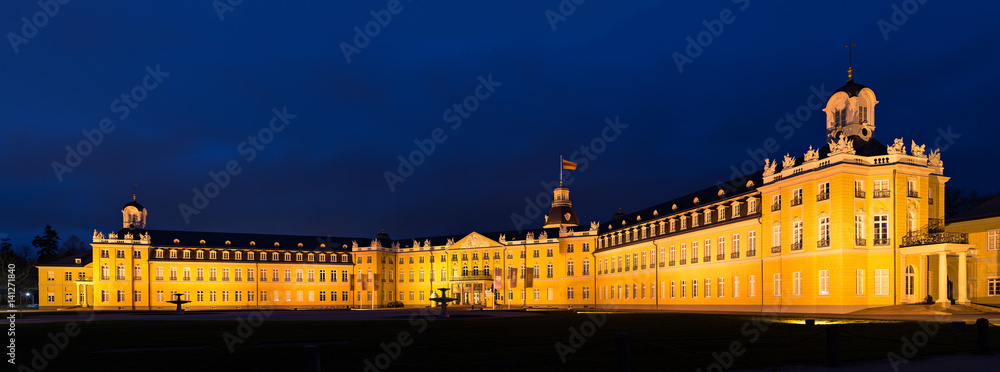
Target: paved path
(967, 362)
(278, 315)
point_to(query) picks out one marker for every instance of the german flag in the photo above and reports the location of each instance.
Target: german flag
(566, 164)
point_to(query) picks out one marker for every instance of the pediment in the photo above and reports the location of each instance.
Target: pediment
(476, 240)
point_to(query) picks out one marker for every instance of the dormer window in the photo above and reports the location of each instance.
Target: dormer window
(212, 255)
(199, 255)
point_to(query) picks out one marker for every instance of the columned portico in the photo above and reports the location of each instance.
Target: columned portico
(959, 278)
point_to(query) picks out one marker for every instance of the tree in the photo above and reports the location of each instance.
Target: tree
(958, 200)
(71, 246)
(47, 244)
(5, 248)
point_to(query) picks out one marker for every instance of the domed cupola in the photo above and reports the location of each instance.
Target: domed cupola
(850, 111)
(133, 215)
(383, 238)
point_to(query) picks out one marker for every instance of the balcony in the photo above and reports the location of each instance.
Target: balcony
(120, 277)
(823, 243)
(683, 261)
(471, 277)
(882, 241)
(796, 246)
(860, 242)
(881, 193)
(159, 278)
(736, 254)
(751, 253)
(912, 194)
(859, 193)
(671, 263)
(661, 264)
(775, 207)
(694, 260)
(720, 257)
(933, 233)
(825, 195)
(706, 259)
(776, 249)
(796, 201)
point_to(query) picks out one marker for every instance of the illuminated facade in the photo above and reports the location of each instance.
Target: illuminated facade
(851, 225)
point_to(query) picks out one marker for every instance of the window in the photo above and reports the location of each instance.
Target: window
(187, 255)
(586, 248)
(881, 229)
(288, 257)
(751, 243)
(50, 276)
(121, 296)
(569, 248)
(751, 206)
(736, 287)
(212, 255)
(250, 256)
(673, 286)
(683, 288)
(824, 282)
(288, 275)
(881, 189)
(859, 188)
(859, 230)
(298, 275)
(586, 293)
(777, 285)
(159, 253)
(752, 289)
(225, 255)
(238, 255)
(104, 296)
(137, 255)
(776, 238)
(173, 254)
(708, 288)
(993, 239)
(239, 274)
(824, 232)
(824, 191)
(211, 274)
(796, 197)
(586, 266)
(721, 249)
(535, 292)
(549, 270)
(548, 294)
(694, 289)
(796, 235)
(776, 203)
(569, 267)
(993, 286)
(722, 288)
(882, 282)
(736, 245)
(797, 283)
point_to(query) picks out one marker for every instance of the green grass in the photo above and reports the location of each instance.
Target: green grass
(658, 341)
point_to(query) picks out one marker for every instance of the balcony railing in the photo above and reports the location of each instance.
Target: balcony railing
(734, 255)
(885, 193)
(861, 242)
(775, 207)
(671, 263)
(720, 257)
(823, 243)
(159, 278)
(859, 193)
(823, 196)
(911, 239)
(752, 253)
(796, 201)
(694, 260)
(776, 249)
(706, 259)
(882, 241)
(796, 246)
(105, 277)
(683, 261)
(661, 264)
(912, 194)
(471, 277)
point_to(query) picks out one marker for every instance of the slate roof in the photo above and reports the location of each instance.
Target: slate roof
(986, 209)
(851, 88)
(70, 261)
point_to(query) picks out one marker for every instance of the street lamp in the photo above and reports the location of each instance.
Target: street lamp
(29, 297)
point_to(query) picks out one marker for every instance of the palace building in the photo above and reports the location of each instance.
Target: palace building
(852, 224)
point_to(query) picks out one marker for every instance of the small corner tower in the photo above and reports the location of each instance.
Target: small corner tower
(133, 215)
(562, 214)
(850, 111)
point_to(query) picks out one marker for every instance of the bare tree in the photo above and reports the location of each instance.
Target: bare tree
(958, 200)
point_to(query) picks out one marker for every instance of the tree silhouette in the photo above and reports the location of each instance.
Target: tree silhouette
(47, 244)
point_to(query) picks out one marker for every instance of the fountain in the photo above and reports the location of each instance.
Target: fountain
(179, 302)
(443, 300)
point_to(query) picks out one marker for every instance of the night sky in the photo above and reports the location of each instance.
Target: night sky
(197, 84)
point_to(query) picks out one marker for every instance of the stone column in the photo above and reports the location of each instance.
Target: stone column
(921, 280)
(962, 280)
(942, 297)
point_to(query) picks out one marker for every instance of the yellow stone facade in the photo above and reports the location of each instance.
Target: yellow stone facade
(849, 226)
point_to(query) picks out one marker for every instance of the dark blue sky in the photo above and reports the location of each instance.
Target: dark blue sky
(325, 171)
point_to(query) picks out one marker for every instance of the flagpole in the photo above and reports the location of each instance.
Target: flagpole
(560, 170)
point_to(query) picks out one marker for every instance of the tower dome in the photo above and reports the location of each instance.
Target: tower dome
(850, 111)
(133, 215)
(562, 213)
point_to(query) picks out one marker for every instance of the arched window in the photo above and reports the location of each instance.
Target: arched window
(465, 270)
(475, 270)
(909, 281)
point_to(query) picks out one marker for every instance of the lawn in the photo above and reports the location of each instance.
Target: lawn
(656, 341)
